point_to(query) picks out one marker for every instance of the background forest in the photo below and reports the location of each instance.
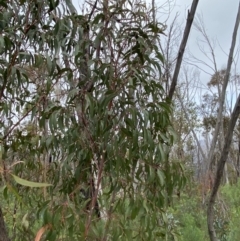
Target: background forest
(106, 131)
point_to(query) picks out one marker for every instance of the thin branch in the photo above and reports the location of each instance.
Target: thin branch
(17, 123)
(92, 11)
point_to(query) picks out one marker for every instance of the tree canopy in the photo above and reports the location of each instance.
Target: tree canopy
(85, 130)
(110, 129)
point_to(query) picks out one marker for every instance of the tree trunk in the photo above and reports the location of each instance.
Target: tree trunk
(220, 168)
(181, 50)
(3, 230)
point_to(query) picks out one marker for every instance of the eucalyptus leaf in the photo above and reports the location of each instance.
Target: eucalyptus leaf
(27, 183)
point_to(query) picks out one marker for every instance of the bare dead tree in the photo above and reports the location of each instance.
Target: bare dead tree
(183, 44)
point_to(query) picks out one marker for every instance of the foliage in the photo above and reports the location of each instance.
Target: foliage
(82, 91)
(191, 216)
(231, 199)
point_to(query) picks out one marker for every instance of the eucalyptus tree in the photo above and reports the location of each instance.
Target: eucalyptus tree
(79, 90)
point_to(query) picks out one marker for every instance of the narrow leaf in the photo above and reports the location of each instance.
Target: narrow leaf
(24, 182)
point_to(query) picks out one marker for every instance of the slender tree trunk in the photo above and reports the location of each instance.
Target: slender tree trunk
(181, 50)
(220, 169)
(3, 230)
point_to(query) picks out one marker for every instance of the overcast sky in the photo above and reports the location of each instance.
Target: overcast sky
(219, 17)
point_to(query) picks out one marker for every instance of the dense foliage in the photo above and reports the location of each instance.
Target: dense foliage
(83, 110)
(101, 138)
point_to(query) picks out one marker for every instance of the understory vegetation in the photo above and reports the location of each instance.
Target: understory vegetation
(185, 220)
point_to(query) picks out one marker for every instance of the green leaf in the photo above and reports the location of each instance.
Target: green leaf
(52, 5)
(70, 6)
(57, 27)
(4, 3)
(52, 235)
(99, 17)
(26, 183)
(2, 44)
(49, 65)
(161, 177)
(5, 192)
(160, 57)
(106, 99)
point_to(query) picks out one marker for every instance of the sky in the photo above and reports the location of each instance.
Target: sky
(219, 19)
